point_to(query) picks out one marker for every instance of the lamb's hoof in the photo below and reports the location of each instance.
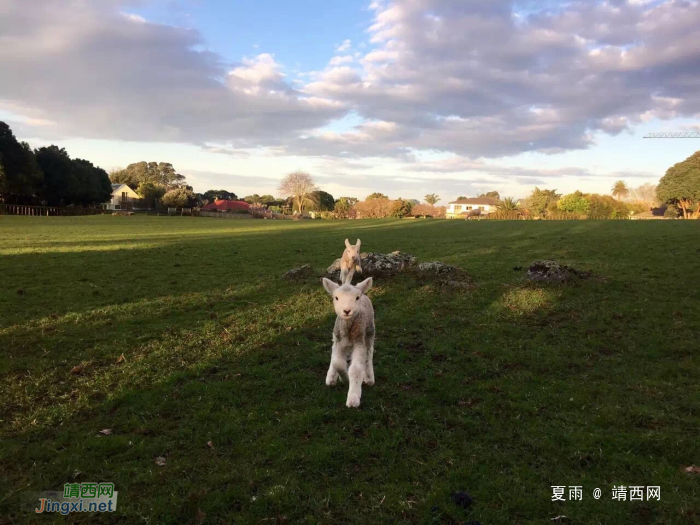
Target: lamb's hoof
(330, 381)
(353, 401)
(369, 381)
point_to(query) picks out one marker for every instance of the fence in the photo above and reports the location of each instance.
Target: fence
(224, 215)
(46, 211)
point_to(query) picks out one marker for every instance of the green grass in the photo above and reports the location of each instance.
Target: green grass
(502, 391)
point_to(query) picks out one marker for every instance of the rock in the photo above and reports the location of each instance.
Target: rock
(553, 272)
(376, 265)
(299, 273)
(444, 275)
(462, 499)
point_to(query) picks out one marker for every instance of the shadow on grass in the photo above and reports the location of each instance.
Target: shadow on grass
(502, 392)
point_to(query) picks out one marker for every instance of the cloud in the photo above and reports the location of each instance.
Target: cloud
(347, 44)
(478, 79)
(340, 60)
(494, 78)
(98, 72)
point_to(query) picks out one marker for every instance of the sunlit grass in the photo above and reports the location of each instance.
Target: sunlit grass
(176, 332)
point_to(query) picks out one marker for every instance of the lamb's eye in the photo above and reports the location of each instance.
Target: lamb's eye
(357, 298)
(336, 298)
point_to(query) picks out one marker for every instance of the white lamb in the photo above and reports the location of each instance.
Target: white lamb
(350, 262)
(353, 335)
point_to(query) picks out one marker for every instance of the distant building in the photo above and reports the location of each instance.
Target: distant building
(224, 205)
(123, 198)
(460, 208)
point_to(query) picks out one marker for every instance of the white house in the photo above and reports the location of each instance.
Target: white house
(460, 208)
(123, 198)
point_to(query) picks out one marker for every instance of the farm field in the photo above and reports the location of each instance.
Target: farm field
(180, 336)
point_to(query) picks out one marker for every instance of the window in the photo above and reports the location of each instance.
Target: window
(458, 208)
(469, 208)
(481, 208)
(124, 196)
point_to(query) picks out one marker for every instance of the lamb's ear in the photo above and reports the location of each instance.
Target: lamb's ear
(329, 285)
(347, 243)
(359, 242)
(365, 285)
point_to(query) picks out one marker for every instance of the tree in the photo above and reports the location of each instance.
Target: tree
(253, 200)
(267, 199)
(620, 190)
(322, 201)
(373, 208)
(351, 200)
(426, 210)
(541, 200)
(22, 176)
(491, 195)
(432, 199)
(3, 180)
(681, 186)
(59, 176)
(92, 183)
(606, 207)
(161, 173)
(150, 193)
(343, 207)
(574, 203)
(401, 208)
(377, 196)
(508, 204)
(224, 195)
(461, 197)
(299, 185)
(179, 198)
(646, 194)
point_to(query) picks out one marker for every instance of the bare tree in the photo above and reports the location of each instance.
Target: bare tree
(645, 193)
(299, 185)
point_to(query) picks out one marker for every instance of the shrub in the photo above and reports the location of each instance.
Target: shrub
(374, 208)
(605, 207)
(179, 198)
(574, 203)
(401, 208)
(672, 212)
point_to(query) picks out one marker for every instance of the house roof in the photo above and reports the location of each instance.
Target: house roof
(477, 200)
(116, 188)
(223, 205)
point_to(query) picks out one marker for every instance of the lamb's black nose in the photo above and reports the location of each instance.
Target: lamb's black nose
(347, 312)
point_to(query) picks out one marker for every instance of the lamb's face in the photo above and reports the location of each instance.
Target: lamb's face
(346, 301)
(346, 298)
(353, 251)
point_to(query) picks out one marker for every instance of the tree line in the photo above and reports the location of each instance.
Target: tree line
(47, 175)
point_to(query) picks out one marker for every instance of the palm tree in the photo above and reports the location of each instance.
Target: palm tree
(432, 199)
(508, 204)
(620, 189)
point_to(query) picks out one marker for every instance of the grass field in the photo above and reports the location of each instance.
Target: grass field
(176, 332)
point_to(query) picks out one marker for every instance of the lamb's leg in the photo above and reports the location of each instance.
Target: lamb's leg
(369, 375)
(343, 274)
(338, 367)
(357, 375)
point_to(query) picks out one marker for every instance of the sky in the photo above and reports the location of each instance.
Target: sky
(405, 97)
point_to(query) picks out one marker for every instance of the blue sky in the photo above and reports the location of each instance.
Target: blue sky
(302, 34)
(448, 96)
